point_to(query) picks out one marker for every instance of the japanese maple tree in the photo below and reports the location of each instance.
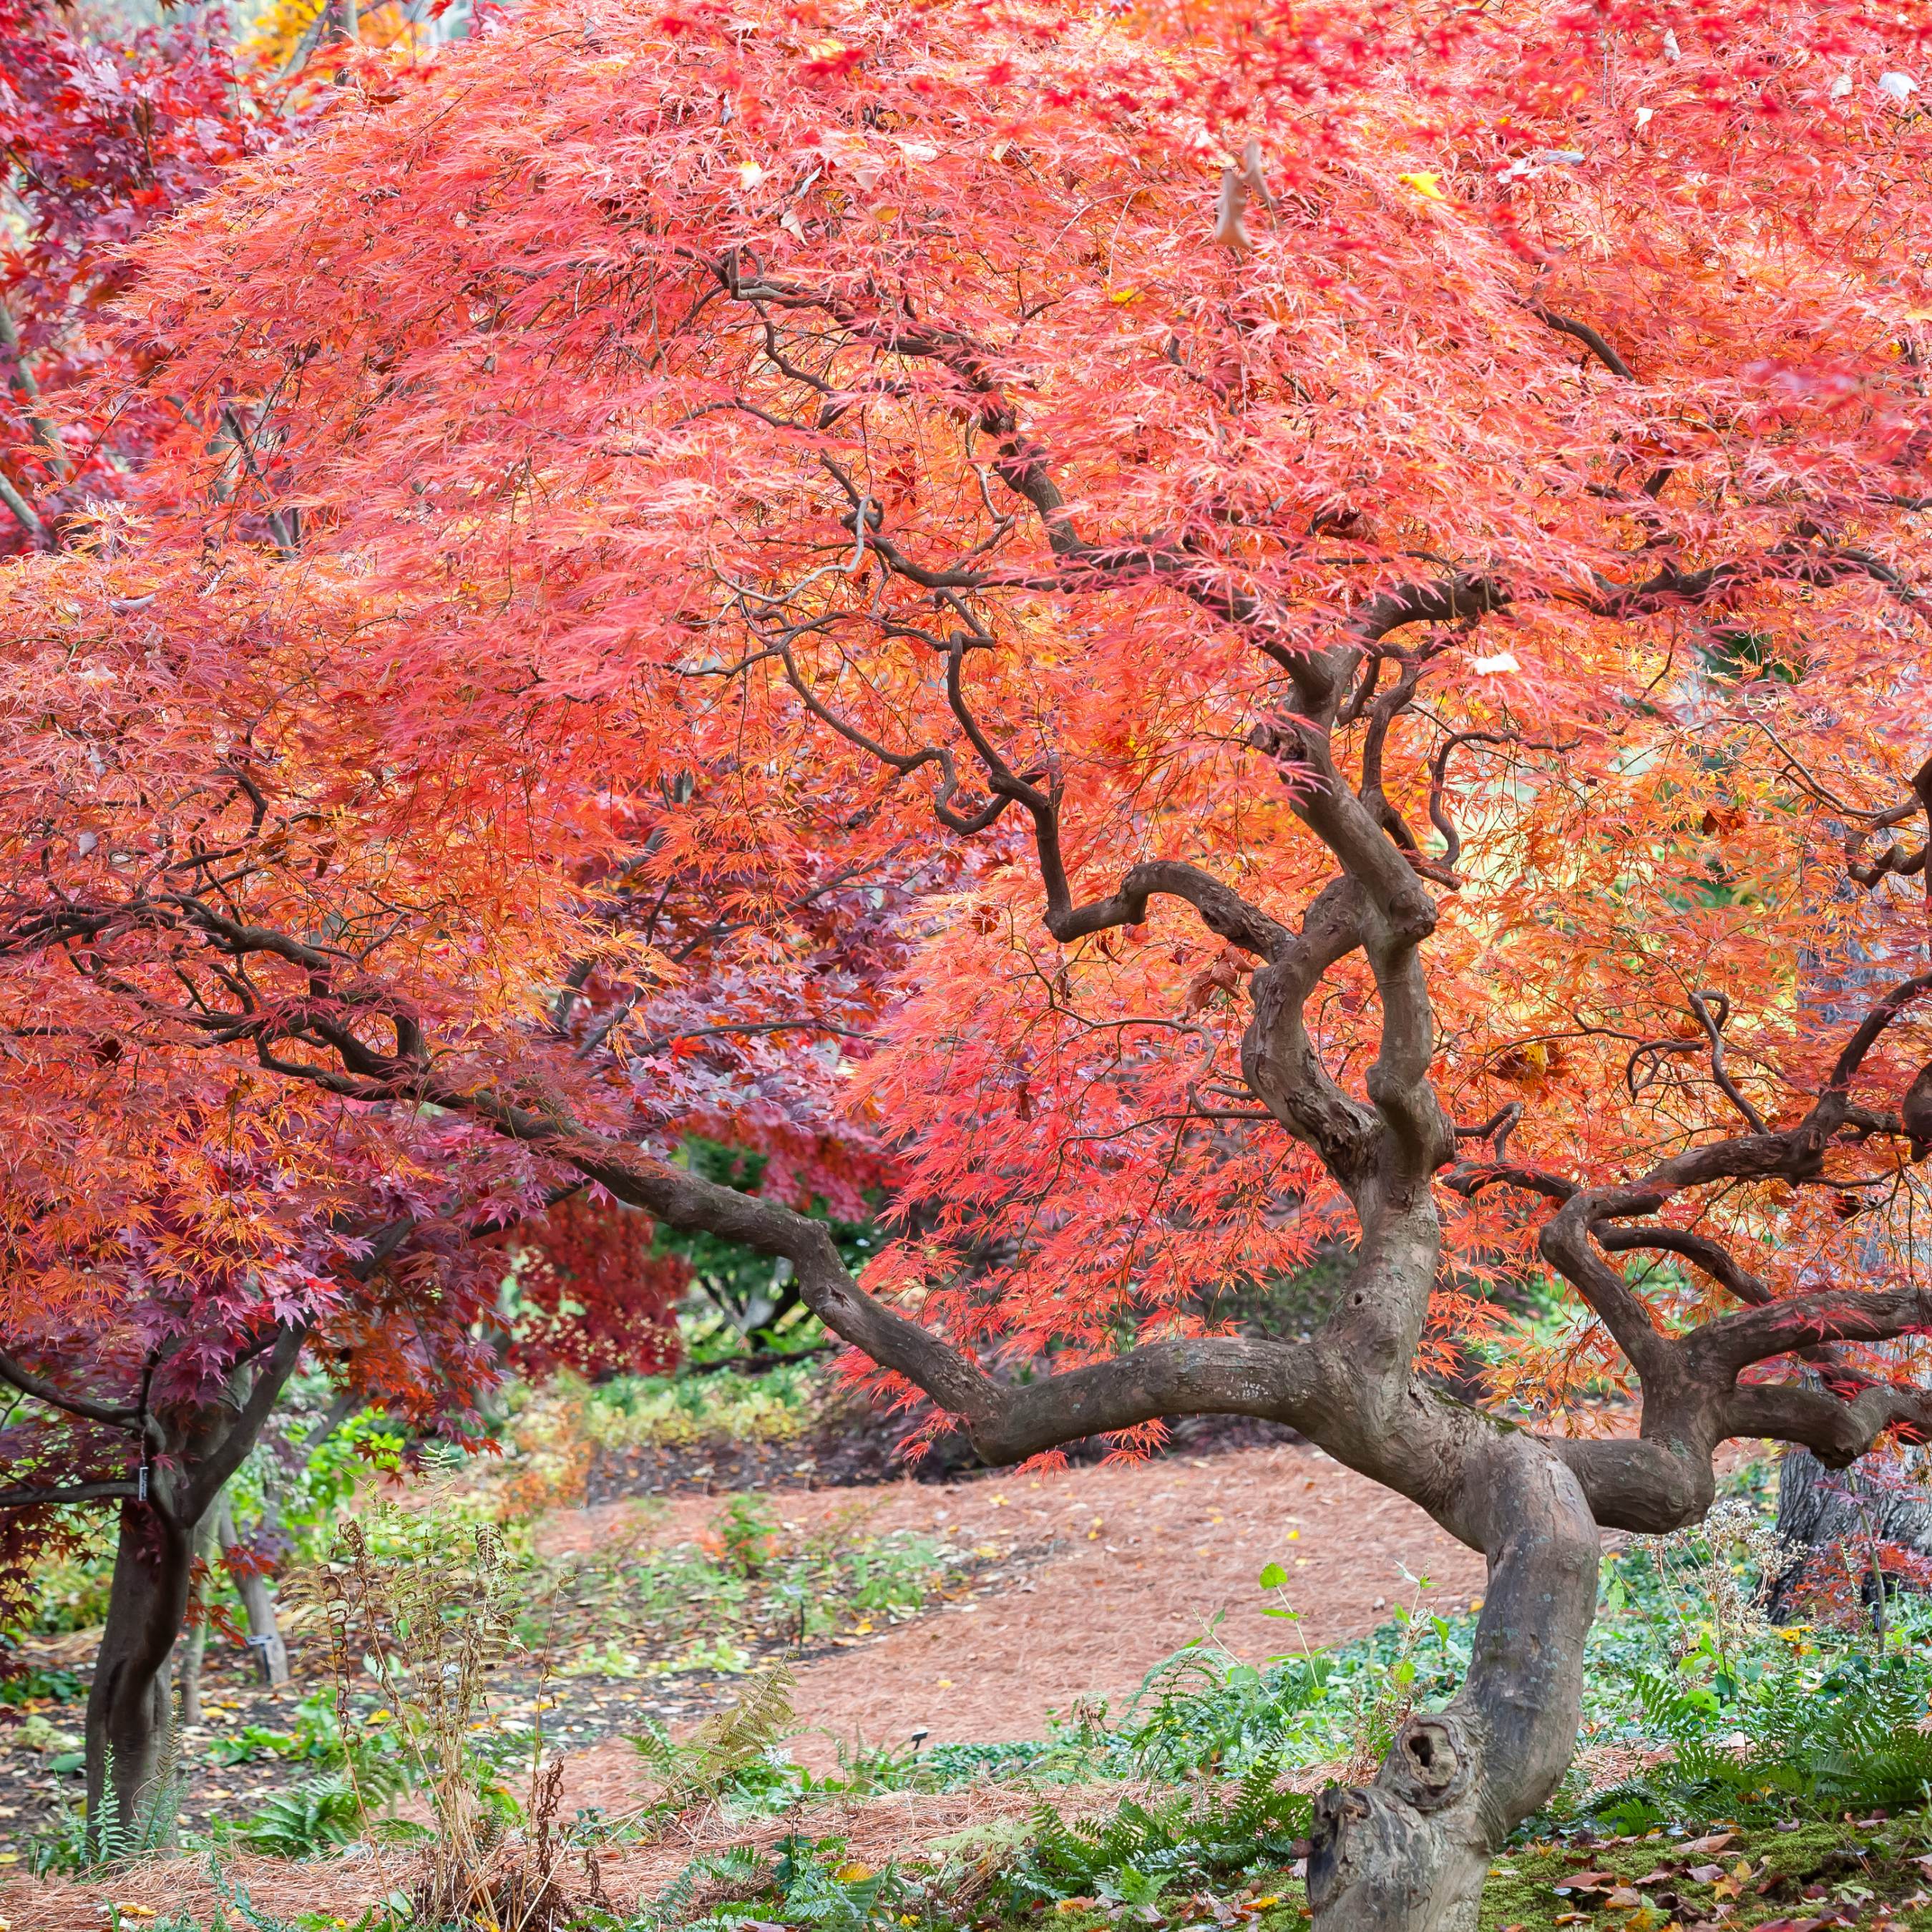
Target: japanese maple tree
(1389, 536)
(173, 1248)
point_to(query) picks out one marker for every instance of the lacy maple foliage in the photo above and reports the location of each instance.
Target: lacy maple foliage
(867, 409)
(592, 1295)
(959, 452)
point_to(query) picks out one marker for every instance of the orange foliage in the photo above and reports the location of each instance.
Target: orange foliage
(771, 447)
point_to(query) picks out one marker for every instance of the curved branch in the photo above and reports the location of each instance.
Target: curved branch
(1700, 1252)
(1836, 1432)
(1893, 858)
(1565, 1242)
(1279, 1061)
(1224, 1375)
(1582, 332)
(1223, 909)
(1791, 1322)
(1713, 1023)
(1874, 1023)
(128, 1419)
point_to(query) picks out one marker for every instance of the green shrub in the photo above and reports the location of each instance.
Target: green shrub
(641, 1411)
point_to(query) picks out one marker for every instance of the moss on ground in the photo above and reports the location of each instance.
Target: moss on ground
(1866, 1874)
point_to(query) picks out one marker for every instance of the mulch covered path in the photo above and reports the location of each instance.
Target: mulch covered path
(1128, 1563)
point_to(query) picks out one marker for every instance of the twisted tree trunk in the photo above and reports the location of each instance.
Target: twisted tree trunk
(1410, 1852)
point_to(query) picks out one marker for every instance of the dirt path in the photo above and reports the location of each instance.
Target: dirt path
(1145, 1559)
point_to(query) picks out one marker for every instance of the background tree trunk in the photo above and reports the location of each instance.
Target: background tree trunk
(1882, 1499)
(265, 1635)
(193, 1648)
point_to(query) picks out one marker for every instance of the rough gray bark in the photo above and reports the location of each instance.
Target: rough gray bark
(1410, 1852)
(1854, 1508)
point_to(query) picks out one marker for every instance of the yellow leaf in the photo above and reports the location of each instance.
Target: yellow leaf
(1121, 295)
(852, 1873)
(1425, 184)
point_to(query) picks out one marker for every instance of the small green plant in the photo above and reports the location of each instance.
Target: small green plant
(318, 1813)
(74, 1842)
(35, 1684)
(333, 1807)
(748, 1533)
(1793, 1746)
(250, 1744)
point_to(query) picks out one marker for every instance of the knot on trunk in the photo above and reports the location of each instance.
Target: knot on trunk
(1405, 1854)
(1428, 1767)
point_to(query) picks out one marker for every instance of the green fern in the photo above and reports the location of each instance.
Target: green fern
(1127, 1855)
(807, 1884)
(326, 1810)
(1785, 1748)
(722, 1747)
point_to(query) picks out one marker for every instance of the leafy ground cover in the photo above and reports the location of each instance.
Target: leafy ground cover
(1734, 1775)
(1798, 1878)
